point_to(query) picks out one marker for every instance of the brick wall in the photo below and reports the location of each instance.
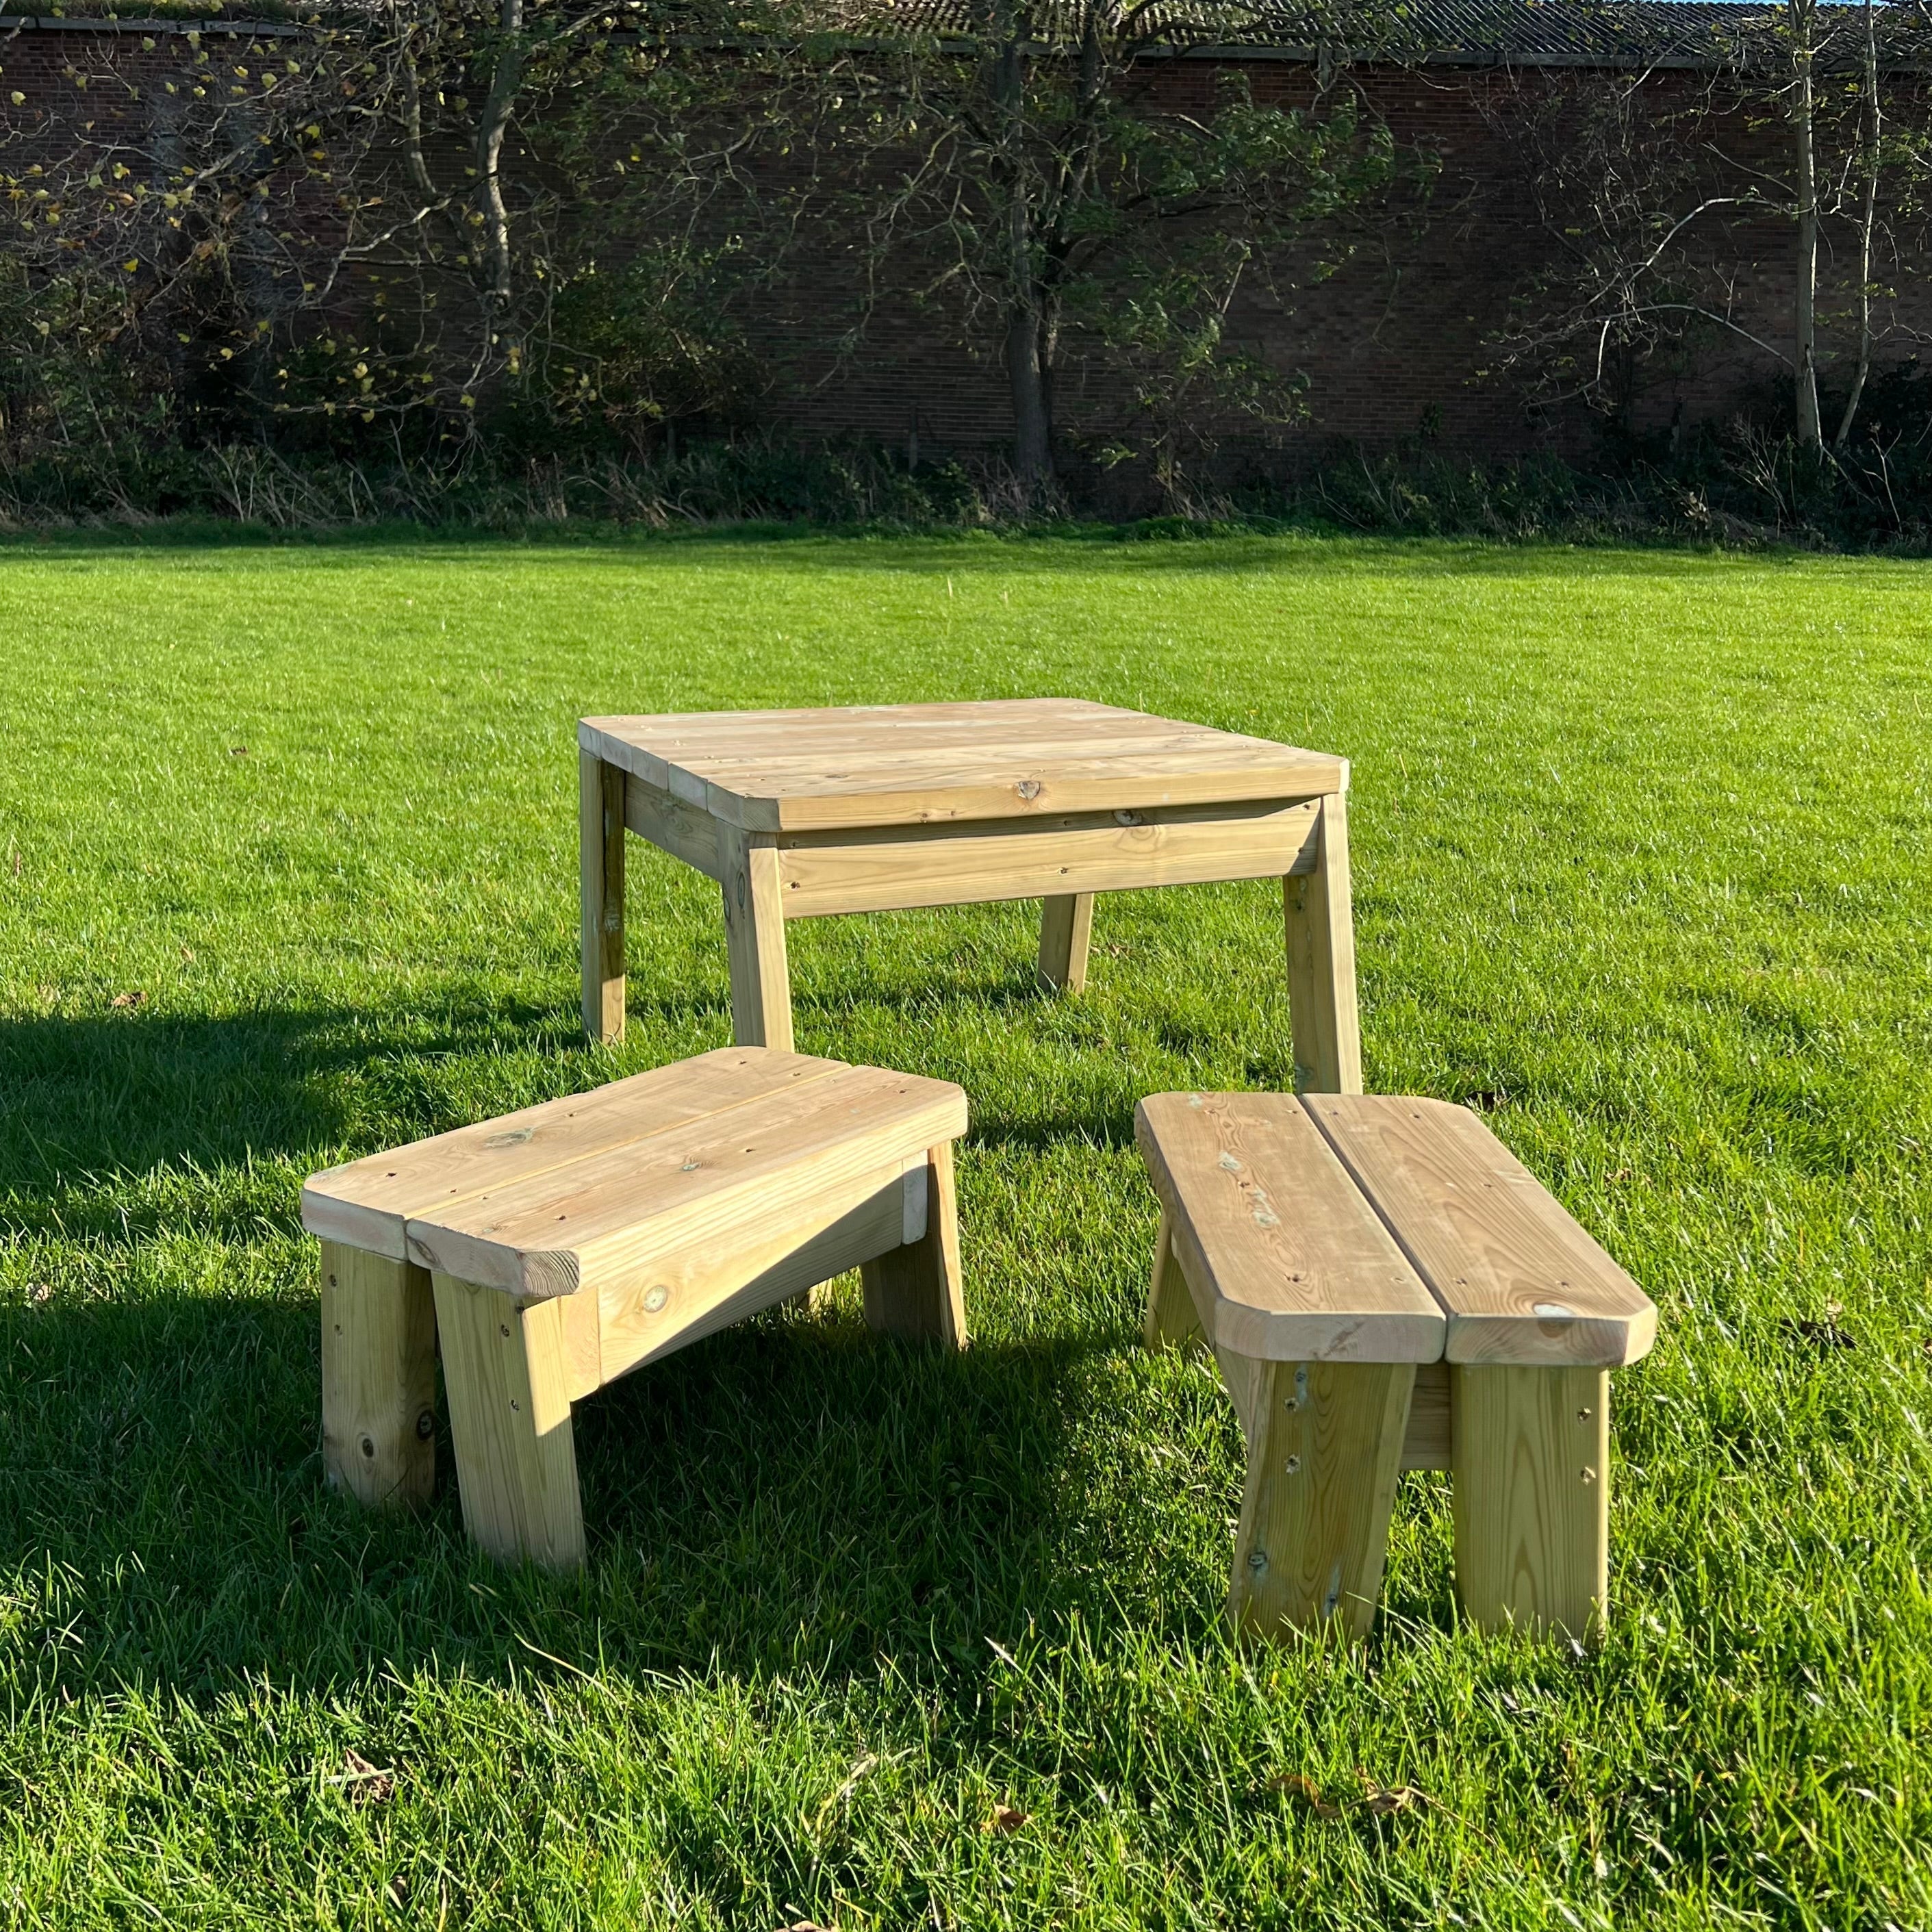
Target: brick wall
(1398, 343)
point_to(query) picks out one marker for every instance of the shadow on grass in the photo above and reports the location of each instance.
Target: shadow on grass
(790, 1496)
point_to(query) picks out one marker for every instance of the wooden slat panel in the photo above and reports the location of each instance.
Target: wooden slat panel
(705, 1286)
(1520, 1281)
(1264, 1218)
(1088, 853)
(686, 832)
(777, 771)
(368, 1203)
(602, 1218)
(1427, 1446)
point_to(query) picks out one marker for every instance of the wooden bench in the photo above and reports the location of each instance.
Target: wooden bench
(555, 1249)
(1386, 1288)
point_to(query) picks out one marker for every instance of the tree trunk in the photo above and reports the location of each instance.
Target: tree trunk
(1026, 371)
(1805, 347)
(505, 81)
(1874, 129)
(1027, 378)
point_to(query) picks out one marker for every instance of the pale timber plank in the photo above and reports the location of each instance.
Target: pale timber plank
(1319, 928)
(686, 832)
(1325, 1449)
(1427, 1443)
(509, 1418)
(368, 1203)
(755, 942)
(1171, 1320)
(1066, 933)
(914, 1290)
(1267, 1223)
(1531, 1457)
(796, 770)
(1520, 1281)
(378, 1377)
(686, 1293)
(601, 1219)
(601, 893)
(1077, 854)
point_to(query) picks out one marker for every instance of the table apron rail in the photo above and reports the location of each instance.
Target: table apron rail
(885, 871)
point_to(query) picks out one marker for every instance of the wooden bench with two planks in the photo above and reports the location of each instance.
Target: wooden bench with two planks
(1385, 1287)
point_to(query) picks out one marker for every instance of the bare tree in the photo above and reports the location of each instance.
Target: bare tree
(1022, 170)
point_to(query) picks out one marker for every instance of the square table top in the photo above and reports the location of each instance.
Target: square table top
(912, 764)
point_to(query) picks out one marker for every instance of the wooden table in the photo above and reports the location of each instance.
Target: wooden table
(798, 814)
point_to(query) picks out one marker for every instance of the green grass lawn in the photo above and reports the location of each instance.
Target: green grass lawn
(288, 872)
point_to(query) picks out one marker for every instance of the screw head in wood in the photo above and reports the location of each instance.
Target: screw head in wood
(1258, 1561)
(1294, 1465)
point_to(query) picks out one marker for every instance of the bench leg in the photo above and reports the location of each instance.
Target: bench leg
(1066, 927)
(913, 1292)
(1171, 1321)
(1320, 918)
(600, 859)
(504, 1369)
(1530, 1449)
(378, 1377)
(1325, 1449)
(755, 938)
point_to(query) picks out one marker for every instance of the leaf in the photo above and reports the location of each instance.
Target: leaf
(1382, 1799)
(1822, 1336)
(364, 1783)
(1299, 1784)
(135, 998)
(1005, 1819)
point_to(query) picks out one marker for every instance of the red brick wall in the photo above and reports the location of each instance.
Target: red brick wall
(1398, 343)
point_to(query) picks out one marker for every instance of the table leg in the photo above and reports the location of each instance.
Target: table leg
(1066, 925)
(1327, 1029)
(754, 937)
(600, 826)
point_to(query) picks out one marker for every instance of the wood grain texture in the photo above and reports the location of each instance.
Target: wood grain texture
(1519, 1280)
(369, 1203)
(907, 764)
(1171, 1320)
(601, 893)
(1275, 1237)
(755, 941)
(1531, 1454)
(509, 1416)
(686, 832)
(378, 1378)
(1325, 1449)
(683, 1295)
(1427, 1444)
(914, 1290)
(1318, 915)
(867, 870)
(1066, 933)
(763, 1165)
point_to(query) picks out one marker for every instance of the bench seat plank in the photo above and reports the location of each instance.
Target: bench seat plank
(1286, 1260)
(368, 1204)
(765, 1164)
(1522, 1283)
